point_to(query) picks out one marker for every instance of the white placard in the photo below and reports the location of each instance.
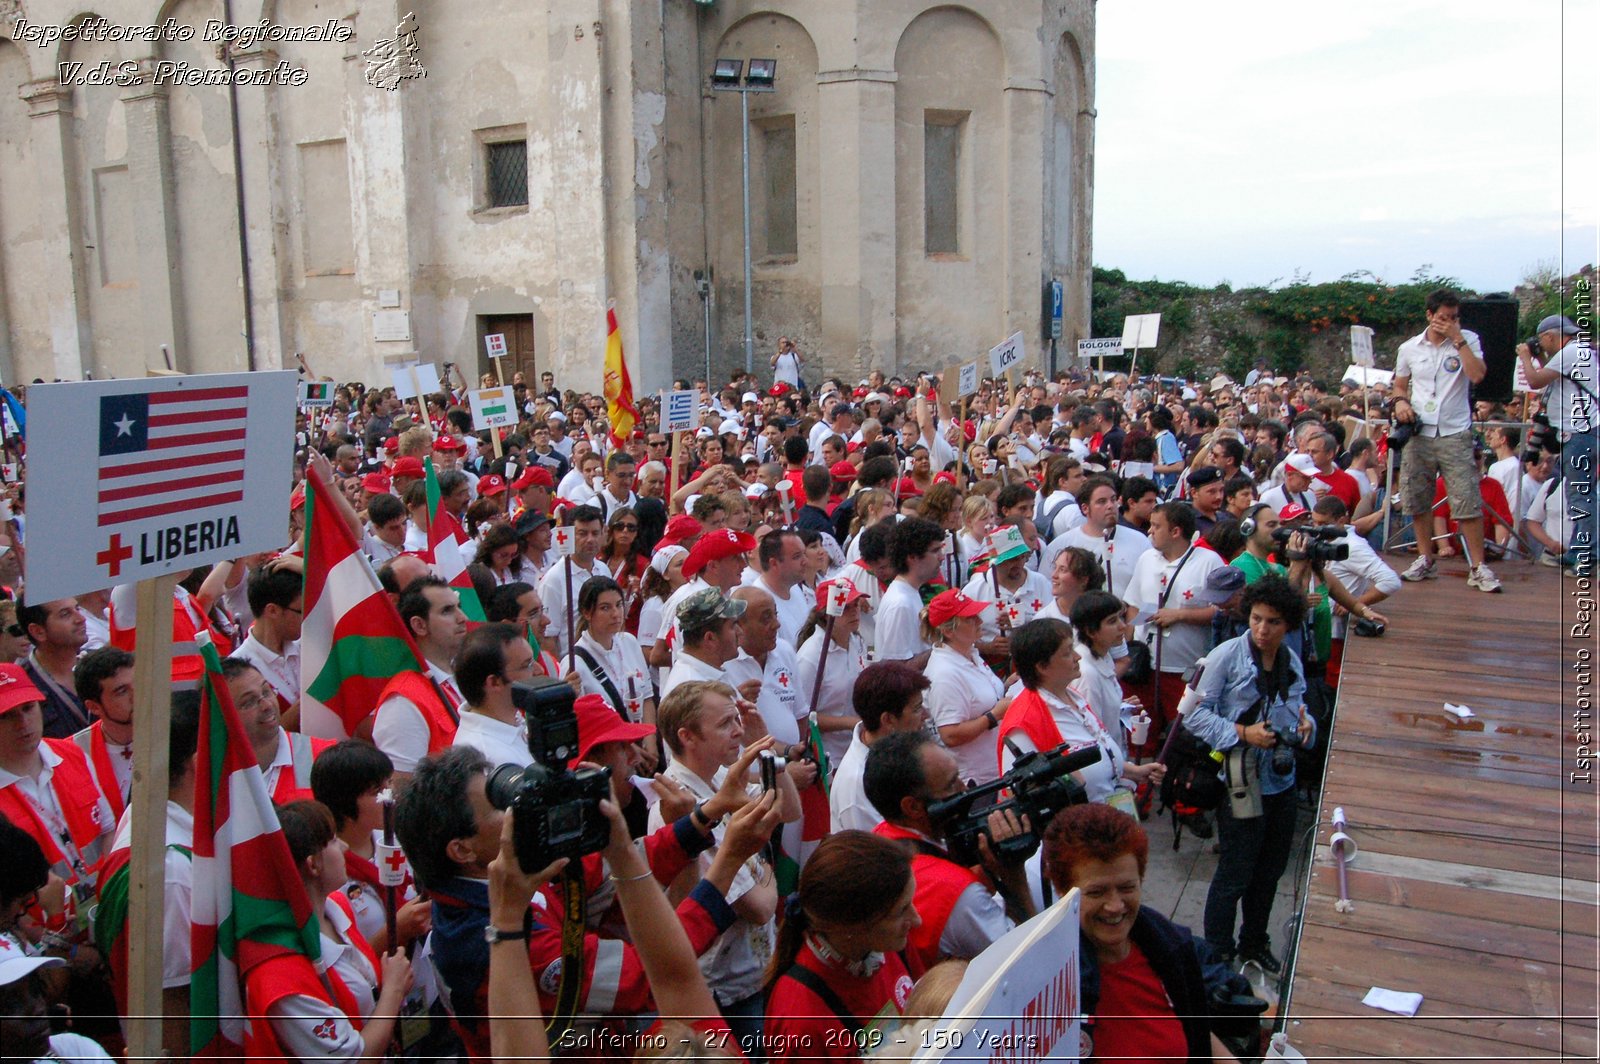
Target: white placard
(968, 382)
(1104, 347)
(1140, 331)
(563, 540)
(680, 411)
(388, 297)
(1368, 377)
(391, 326)
(156, 492)
(405, 384)
(495, 345)
(1020, 992)
(492, 408)
(316, 393)
(1361, 345)
(1519, 380)
(1005, 354)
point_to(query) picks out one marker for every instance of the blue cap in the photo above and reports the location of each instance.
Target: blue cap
(1557, 323)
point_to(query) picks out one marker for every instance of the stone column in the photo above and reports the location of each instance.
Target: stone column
(155, 226)
(857, 170)
(50, 105)
(264, 226)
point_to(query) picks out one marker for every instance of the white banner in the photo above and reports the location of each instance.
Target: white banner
(968, 382)
(1018, 999)
(1361, 345)
(1104, 347)
(1007, 353)
(1140, 331)
(134, 478)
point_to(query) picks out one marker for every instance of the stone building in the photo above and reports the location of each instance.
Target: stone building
(920, 173)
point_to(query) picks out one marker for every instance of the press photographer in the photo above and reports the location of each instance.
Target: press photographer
(912, 781)
(1571, 402)
(1252, 710)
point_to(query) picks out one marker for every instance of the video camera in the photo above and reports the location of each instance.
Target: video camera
(1326, 543)
(1038, 786)
(555, 811)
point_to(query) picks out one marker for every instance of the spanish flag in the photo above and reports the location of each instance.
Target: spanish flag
(623, 415)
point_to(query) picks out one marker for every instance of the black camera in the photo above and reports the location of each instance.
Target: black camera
(1325, 543)
(1543, 436)
(1283, 754)
(1038, 786)
(555, 811)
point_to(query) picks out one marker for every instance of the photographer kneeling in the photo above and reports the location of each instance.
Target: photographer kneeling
(1252, 696)
(961, 916)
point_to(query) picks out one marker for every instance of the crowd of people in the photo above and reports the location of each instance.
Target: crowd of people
(883, 593)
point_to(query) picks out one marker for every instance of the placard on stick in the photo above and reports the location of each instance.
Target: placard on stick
(1361, 345)
(1102, 347)
(492, 408)
(184, 471)
(1140, 331)
(316, 393)
(680, 410)
(408, 378)
(1006, 354)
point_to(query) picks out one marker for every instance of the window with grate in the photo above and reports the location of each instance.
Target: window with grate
(507, 173)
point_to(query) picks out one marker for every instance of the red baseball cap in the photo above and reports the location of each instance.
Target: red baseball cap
(843, 470)
(493, 484)
(391, 445)
(778, 389)
(944, 477)
(297, 497)
(826, 588)
(598, 723)
(948, 605)
(376, 483)
(535, 476)
(16, 689)
(713, 546)
(902, 392)
(906, 488)
(409, 466)
(1293, 512)
(682, 527)
(450, 443)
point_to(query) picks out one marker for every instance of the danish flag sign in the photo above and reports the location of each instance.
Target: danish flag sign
(142, 477)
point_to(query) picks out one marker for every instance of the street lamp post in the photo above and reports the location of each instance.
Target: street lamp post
(725, 77)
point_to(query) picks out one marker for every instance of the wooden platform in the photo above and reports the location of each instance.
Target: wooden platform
(1475, 884)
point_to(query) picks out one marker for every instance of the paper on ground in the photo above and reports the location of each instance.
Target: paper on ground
(1458, 711)
(1397, 1001)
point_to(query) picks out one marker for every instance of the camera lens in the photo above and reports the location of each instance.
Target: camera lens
(507, 781)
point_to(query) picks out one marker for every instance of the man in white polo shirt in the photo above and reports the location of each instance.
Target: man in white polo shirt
(1433, 377)
(491, 659)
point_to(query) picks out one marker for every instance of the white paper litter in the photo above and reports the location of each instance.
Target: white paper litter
(1458, 711)
(1397, 1001)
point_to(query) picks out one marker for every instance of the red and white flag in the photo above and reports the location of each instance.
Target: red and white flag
(169, 452)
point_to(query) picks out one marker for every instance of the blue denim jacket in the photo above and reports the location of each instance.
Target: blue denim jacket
(1228, 690)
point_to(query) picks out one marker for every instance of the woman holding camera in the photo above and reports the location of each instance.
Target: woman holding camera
(1252, 696)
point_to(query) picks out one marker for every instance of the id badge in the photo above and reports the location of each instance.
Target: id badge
(1429, 407)
(1122, 801)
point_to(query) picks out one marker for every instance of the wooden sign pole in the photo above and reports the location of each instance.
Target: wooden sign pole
(672, 468)
(152, 684)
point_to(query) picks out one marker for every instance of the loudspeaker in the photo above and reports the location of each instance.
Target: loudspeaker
(1494, 319)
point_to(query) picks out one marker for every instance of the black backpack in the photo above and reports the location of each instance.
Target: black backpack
(1191, 778)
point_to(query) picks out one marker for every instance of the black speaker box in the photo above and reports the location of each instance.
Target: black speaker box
(1494, 319)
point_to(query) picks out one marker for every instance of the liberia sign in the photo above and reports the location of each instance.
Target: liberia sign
(139, 477)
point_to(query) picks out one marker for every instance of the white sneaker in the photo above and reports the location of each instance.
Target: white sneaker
(1483, 579)
(1421, 569)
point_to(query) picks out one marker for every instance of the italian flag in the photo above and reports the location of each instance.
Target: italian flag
(801, 839)
(352, 642)
(248, 902)
(445, 544)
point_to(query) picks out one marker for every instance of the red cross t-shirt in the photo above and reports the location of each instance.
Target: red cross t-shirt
(1135, 1021)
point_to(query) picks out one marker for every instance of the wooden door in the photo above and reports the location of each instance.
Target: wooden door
(518, 331)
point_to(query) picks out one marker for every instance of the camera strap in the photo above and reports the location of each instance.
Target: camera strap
(574, 894)
(814, 983)
(604, 680)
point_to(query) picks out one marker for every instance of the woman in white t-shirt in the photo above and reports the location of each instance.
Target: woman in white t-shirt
(610, 662)
(847, 657)
(966, 700)
(664, 576)
(1099, 619)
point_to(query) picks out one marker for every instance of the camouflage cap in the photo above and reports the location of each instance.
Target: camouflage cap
(707, 608)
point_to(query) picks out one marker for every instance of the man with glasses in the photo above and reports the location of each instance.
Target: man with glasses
(492, 658)
(285, 757)
(616, 490)
(276, 592)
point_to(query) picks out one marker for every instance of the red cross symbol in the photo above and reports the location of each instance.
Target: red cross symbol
(396, 861)
(783, 679)
(561, 537)
(1188, 594)
(325, 1029)
(114, 555)
(1036, 605)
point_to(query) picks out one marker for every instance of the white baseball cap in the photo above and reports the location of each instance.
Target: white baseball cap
(16, 965)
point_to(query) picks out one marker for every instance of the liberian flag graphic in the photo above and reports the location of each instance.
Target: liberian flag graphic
(169, 453)
(352, 641)
(249, 904)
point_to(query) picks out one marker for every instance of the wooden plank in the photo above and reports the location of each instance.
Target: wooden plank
(1475, 884)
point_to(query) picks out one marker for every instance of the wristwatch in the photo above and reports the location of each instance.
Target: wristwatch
(993, 723)
(493, 934)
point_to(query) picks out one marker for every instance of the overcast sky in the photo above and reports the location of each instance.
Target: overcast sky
(1248, 140)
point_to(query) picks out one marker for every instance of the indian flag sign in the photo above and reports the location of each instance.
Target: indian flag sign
(492, 408)
(249, 904)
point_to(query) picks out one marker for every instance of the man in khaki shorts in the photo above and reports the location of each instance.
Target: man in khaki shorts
(1433, 376)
